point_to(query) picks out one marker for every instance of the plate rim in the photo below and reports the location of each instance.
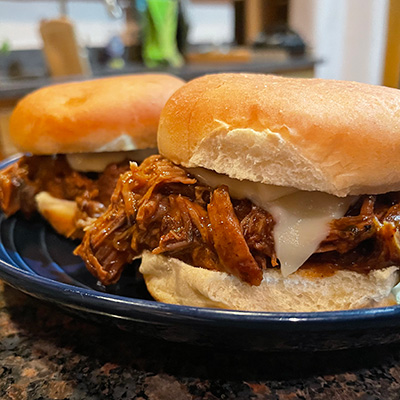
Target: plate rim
(131, 308)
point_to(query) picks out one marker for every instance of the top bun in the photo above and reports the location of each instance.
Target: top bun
(109, 114)
(337, 137)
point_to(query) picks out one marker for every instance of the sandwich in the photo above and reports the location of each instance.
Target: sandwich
(269, 194)
(77, 138)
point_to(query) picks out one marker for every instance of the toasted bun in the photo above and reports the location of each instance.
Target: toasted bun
(332, 136)
(172, 281)
(110, 114)
(62, 215)
(59, 213)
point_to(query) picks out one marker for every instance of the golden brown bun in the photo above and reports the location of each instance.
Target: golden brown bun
(172, 281)
(331, 136)
(62, 215)
(110, 114)
(59, 213)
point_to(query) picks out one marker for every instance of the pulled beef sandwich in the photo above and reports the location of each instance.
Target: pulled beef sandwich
(79, 137)
(270, 194)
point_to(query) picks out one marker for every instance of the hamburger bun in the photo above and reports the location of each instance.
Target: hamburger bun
(317, 136)
(59, 213)
(170, 280)
(311, 134)
(102, 115)
(95, 123)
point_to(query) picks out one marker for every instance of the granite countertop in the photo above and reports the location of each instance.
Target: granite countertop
(46, 353)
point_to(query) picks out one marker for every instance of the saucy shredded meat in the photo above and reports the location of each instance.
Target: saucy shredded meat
(229, 242)
(159, 207)
(24, 179)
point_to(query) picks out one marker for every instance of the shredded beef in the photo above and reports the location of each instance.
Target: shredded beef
(257, 227)
(153, 215)
(369, 240)
(348, 232)
(24, 179)
(159, 207)
(162, 209)
(229, 242)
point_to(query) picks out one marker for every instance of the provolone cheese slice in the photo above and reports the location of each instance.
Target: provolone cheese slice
(258, 193)
(301, 218)
(302, 223)
(97, 162)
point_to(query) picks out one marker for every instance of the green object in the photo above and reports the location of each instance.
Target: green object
(5, 47)
(160, 27)
(116, 63)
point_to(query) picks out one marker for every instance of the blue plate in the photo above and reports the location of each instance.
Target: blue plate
(37, 261)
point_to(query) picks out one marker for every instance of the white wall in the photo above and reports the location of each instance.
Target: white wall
(349, 36)
(19, 22)
(211, 23)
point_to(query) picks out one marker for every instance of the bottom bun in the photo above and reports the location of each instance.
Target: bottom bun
(170, 280)
(59, 213)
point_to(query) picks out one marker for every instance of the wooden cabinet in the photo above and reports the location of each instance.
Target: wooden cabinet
(6, 146)
(254, 16)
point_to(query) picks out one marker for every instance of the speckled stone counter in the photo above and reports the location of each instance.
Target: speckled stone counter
(46, 353)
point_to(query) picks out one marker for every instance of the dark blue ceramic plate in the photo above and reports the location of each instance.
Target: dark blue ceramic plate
(37, 261)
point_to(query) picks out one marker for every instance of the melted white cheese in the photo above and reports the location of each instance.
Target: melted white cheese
(301, 218)
(97, 162)
(123, 142)
(258, 193)
(302, 223)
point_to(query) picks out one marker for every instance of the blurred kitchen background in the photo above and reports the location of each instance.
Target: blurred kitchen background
(42, 42)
